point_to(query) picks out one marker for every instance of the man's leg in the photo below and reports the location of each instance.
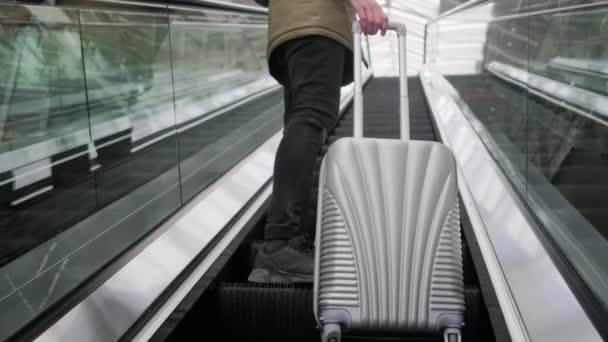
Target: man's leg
(312, 78)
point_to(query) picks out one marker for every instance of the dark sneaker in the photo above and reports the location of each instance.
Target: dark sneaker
(283, 262)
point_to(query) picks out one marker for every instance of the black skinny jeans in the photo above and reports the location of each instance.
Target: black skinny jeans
(311, 70)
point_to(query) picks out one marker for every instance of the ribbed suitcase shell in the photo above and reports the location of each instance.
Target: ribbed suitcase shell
(388, 246)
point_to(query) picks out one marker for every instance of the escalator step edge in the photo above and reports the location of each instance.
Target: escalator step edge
(257, 309)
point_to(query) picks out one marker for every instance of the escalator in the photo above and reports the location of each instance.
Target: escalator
(236, 310)
(103, 155)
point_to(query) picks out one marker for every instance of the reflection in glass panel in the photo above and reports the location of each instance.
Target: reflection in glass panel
(91, 154)
(461, 46)
(88, 136)
(45, 179)
(46, 183)
(568, 136)
(574, 49)
(456, 46)
(127, 61)
(226, 102)
(42, 84)
(539, 101)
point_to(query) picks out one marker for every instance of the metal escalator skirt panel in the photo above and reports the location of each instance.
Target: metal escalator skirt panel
(521, 269)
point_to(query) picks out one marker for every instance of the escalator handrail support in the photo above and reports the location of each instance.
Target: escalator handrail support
(506, 244)
(530, 82)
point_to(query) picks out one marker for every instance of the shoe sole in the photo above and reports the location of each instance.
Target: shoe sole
(264, 276)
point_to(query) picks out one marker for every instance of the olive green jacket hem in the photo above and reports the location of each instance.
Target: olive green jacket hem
(307, 31)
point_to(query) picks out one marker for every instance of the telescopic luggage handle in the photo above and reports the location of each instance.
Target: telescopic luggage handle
(404, 115)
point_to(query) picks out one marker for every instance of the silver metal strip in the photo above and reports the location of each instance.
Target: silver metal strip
(32, 195)
(113, 141)
(129, 3)
(43, 168)
(585, 67)
(222, 26)
(182, 291)
(153, 141)
(226, 109)
(215, 4)
(212, 10)
(555, 101)
(116, 305)
(231, 6)
(547, 89)
(535, 299)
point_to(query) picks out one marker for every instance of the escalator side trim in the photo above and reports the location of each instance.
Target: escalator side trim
(126, 296)
(584, 97)
(497, 319)
(522, 271)
(151, 326)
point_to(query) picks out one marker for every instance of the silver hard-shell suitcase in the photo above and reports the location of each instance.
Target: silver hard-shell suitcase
(388, 247)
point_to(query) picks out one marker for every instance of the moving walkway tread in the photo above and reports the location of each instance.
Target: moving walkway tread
(238, 310)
